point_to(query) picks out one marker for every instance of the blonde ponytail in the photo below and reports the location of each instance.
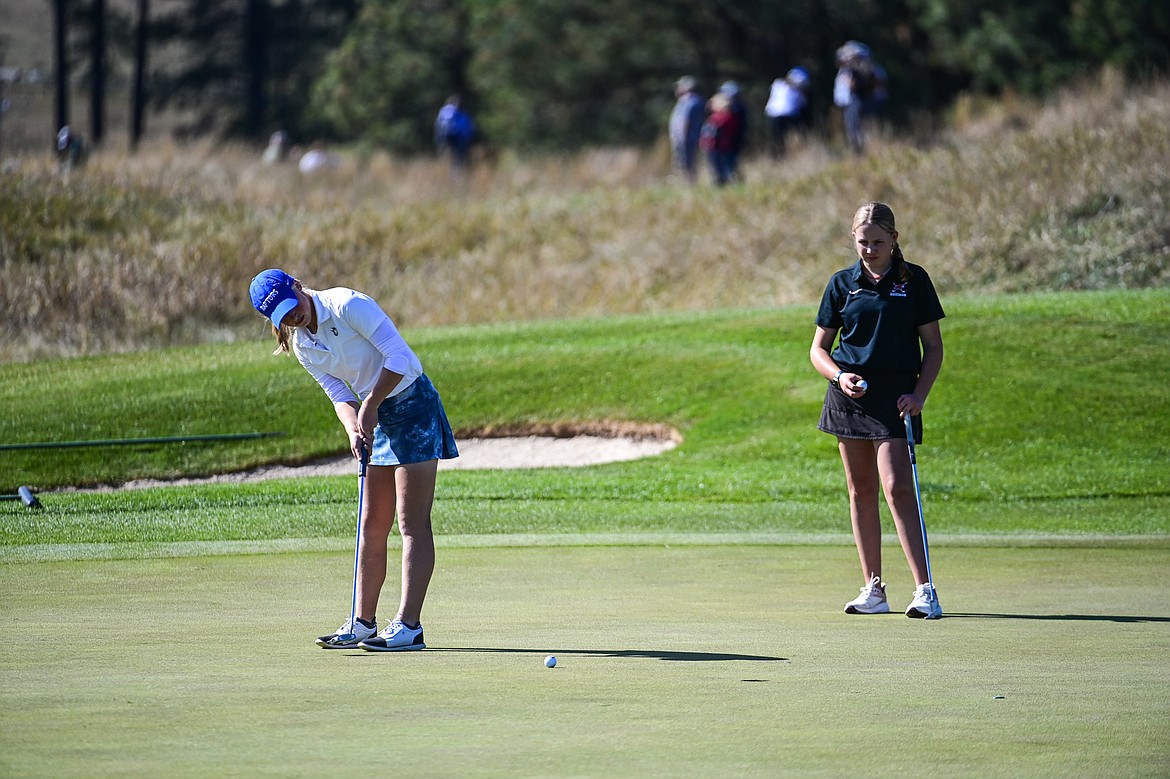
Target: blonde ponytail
(283, 337)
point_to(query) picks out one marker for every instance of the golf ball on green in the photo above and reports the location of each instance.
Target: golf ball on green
(550, 661)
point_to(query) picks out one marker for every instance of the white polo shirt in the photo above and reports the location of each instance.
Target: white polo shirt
(354, 341)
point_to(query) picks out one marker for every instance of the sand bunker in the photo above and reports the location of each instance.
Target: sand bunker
(550, 447)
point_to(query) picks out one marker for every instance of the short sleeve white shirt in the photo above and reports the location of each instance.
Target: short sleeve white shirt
(354, 341)
(784, 100)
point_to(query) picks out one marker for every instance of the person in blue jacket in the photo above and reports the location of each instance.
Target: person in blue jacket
(454, 133)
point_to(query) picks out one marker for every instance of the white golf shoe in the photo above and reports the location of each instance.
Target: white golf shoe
(348, 636)
(925, 604)
(395, 637)
(872, 599)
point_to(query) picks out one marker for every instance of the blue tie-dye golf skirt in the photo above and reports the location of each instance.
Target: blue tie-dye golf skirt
(413, 427)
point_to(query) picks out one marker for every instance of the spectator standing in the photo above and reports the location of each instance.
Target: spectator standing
(859, 90)
(739, 132)
(718, 139)
(277, 149)
(786, 108)
(70, 149)
(454, 133)
(685, 126)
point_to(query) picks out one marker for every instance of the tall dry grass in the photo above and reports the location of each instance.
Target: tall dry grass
(157, 248)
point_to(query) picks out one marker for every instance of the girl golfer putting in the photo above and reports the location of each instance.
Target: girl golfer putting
(887, 359)
(391, 411)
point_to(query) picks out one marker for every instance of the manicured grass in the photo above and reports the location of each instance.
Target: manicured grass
(694, 599)
(1050, 418)
(674, 661)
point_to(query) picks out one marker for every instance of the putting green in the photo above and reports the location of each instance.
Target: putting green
(674, 661)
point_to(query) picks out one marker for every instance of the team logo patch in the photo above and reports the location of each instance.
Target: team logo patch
(899, 290)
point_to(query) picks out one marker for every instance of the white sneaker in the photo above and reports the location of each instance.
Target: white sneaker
(348, 636)
(872, 599)
(925, 604)
(396, 637)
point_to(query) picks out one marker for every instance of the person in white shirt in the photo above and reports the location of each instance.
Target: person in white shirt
(393, 415)
(785, 108)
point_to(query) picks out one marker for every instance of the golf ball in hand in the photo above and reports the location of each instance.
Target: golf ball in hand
(550, 661)
(862, 386)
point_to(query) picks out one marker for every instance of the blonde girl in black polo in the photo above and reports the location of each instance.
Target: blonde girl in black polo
(879, 345)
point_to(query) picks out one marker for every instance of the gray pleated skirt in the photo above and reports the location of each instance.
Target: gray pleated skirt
(872, 417)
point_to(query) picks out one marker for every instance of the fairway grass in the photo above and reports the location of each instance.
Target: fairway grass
(712, 660)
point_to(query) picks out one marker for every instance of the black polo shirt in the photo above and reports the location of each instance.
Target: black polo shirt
(878, 323)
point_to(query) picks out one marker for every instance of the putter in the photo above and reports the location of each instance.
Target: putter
(357, 542)
(921, 518)
(25, 495)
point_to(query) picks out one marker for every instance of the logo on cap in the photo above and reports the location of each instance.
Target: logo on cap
(273, 294)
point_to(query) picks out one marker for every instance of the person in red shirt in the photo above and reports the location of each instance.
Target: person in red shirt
(718, 138)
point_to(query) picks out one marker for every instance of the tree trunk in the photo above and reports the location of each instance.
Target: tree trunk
(97, 89)
(138, 99)
(255, 59)
(61, 55)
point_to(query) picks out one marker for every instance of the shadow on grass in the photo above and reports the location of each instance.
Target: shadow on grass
(689, 657)
(1065, 617)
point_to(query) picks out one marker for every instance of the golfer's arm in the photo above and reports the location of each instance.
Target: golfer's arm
(345, 403)
(819, 352)
(932, 358)
(387, 381)
(347, 411)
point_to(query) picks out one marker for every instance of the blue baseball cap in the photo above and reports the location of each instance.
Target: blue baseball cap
(273, 294)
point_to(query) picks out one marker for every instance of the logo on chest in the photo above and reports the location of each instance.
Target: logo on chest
(334, 329)
(899, 290)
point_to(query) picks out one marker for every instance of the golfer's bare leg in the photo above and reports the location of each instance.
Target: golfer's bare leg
(416, 494)
(377, 519)
(861, 476)
(897, 475)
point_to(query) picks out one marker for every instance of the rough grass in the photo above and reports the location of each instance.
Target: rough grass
(157, 249)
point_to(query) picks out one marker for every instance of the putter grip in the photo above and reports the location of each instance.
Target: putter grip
(910, 436)
(365, 458)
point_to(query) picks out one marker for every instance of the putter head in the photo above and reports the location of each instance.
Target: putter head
(28, 498)
(339, 641)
